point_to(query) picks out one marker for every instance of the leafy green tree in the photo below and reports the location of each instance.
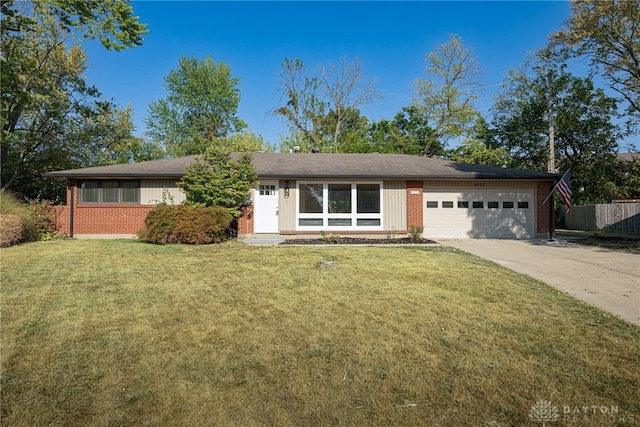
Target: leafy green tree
(106, 138)
(585, 130)
(476, 152)
(217, 179)
(607, 32)
(446, 93)
(46, 103)
(478, 149)
(110, 21)
(242, 142)
(201, 106)
(408, 133)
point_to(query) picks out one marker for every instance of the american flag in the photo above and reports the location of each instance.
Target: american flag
(564, 187)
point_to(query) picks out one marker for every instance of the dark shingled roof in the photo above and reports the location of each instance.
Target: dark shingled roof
(319, 166)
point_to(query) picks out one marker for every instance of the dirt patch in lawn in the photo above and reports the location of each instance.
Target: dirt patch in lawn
(357, 241)
(628, 244)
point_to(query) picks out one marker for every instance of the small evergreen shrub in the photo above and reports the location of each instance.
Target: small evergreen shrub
(415, 232)
(189, 224)
(11, 230)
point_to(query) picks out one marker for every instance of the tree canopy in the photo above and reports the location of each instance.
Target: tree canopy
(446, 93)
(607, 32)
(322, 107)
(201, 106)
(217, 179)
(51, 119)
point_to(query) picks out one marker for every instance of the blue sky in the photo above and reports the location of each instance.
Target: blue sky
(390, 38)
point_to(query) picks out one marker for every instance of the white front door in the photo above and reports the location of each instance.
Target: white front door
(265, 207)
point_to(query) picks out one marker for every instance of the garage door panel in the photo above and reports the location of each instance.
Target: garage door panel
(496, 213)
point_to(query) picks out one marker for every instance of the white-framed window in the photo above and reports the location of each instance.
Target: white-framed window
(339, 205)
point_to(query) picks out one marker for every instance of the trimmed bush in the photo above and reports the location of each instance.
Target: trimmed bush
(189, 224)
(34, 217)
(11, 230)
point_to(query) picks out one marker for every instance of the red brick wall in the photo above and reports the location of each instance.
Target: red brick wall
(542, 211)
(245, 222)
(99, 219)
(414, 203)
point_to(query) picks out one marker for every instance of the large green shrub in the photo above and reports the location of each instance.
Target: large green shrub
(190, 224)
(218, 179)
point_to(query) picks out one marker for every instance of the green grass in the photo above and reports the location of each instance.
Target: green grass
(119, 333)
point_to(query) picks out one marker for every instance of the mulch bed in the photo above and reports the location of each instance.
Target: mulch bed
(357, 241)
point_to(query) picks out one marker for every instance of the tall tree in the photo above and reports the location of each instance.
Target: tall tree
(110, 21)
(322, 106)
(201, 106)
(584, 120)
(609, 33)
(346, 88)
(446, 93)
(299, 92)
(479, 149)
(46, 103)
(408, 133)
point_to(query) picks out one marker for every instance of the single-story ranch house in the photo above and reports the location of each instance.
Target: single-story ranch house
(306, 193)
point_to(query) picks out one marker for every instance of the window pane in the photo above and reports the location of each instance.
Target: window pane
(447, 204)
(89, 192)
(523, 205)
(492, 205)
(463, 204)
(478, 205)
(110, 192)
(339, 198)
(311, 199)
(368, 198)
(130, 191)
(368, 222)
(507, 205)
(432, 204)
(339, 222)
(310, 222)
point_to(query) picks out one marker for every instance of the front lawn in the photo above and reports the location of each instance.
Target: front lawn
(123, 333)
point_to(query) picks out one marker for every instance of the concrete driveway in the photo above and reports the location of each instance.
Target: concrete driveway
(605, 278)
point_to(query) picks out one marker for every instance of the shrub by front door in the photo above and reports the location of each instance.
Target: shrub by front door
(265, 207)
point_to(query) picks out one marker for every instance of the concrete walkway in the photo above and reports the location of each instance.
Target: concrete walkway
(606, 278)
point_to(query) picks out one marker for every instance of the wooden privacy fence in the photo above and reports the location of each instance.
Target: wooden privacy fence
(613, 217)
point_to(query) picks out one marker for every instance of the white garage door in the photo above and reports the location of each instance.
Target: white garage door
(490, 213)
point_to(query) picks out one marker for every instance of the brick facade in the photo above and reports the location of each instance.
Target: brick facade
(542, 211)
(129, 219)
(245, 222)
(414, 203)
(98, 218)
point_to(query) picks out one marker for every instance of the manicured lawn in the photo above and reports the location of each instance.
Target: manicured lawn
(122, 333)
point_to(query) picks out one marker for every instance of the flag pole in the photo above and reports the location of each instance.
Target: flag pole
(555, 186)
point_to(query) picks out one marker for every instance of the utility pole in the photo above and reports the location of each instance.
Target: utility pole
(552, 153)
(552, 150)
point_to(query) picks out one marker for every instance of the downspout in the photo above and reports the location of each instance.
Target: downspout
(71, 197)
